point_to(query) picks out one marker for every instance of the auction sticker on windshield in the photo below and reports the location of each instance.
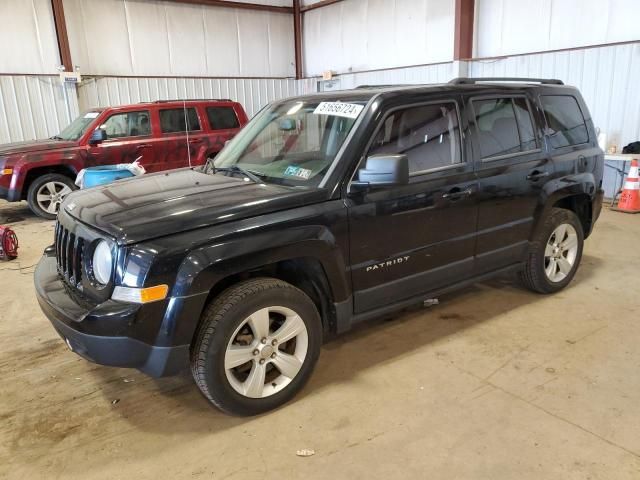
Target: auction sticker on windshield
(339, 109)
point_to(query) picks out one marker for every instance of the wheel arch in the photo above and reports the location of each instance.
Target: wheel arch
(35, 172)
(575, 193)
(314, 264)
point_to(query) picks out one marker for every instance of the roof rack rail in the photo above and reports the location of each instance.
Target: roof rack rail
(473, 81)
(191, 100)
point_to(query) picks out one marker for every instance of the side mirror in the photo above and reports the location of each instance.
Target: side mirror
(383, 171)
(98, 136)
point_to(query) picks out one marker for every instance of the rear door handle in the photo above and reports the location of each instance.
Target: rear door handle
(195, 140)
(456, 193)
(143, 145)
(537, 175)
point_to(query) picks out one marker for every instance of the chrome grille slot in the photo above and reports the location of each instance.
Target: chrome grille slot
(69, 255)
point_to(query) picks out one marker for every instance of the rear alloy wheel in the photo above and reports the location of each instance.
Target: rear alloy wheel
(256, 346)
(561, 252)
(555, 252)
(47, 193)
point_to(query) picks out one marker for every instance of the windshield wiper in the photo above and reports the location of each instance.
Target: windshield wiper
(254, 176)
(56, 137)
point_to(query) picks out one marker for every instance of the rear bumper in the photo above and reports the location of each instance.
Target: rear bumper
(83, 329)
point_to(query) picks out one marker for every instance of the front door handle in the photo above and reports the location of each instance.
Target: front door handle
(143, 145)
(456, 193)
(537, 175)
(195, 140)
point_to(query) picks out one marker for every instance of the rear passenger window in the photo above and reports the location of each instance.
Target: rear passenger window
(222, 118)
(565, 121)
(429, 135)
(175, 120)
(504, 126)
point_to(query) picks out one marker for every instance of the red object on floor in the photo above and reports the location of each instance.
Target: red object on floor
(630, 197)
(8, 244)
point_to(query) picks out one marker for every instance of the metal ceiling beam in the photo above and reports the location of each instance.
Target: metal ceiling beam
(240, 5)
(323, 3)
(297, 37)
(61, 34)
(463, 36)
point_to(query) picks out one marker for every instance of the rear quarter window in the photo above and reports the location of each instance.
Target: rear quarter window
(565, 122)
(222, 118)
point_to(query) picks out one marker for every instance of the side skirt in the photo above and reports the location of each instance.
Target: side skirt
(344, 310)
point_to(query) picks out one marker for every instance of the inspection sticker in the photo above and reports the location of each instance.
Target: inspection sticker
(339, 109)
(91, 114)
(299, 172)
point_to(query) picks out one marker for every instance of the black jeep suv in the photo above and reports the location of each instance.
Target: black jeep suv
(326, 210)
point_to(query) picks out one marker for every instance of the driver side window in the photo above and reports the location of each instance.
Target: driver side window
(428, 134)
(129, 124)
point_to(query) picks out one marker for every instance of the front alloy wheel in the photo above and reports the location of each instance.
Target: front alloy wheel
(47, 192)
(256, 346)
(266, 352)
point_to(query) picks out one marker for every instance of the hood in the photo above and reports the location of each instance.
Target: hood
(159, 204)
(32, 146)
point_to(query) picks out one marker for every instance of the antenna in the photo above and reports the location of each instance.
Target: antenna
(186, 126)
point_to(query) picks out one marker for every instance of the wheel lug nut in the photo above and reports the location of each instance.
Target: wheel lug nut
(274, 342)
(273, 355)
(264, 340)
(261, 361)
(256, 352)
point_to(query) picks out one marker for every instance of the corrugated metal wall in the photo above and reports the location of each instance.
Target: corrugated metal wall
(357, 35)
(606, 76)
(34, 107)
(507, 27)
(155, 38)
(253, 94)
(28, 37)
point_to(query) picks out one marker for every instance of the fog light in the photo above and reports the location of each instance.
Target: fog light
(140, 295)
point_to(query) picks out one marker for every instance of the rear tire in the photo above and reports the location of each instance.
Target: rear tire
(256, 346)
(47, 192)
(555, 252)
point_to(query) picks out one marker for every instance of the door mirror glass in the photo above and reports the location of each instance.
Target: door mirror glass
(383, 171)
(99, 135)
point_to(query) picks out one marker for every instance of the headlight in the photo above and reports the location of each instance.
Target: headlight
(102, 264)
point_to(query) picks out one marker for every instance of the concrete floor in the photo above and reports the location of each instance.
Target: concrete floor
(494, 383)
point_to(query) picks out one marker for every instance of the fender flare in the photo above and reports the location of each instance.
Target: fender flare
(560, 188)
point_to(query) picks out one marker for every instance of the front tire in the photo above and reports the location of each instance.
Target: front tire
(47, 192)
(256, 346)
(555, 252)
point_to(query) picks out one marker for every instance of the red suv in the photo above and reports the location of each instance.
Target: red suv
(163, 135)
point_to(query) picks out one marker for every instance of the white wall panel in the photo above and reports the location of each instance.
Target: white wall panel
(356, 35)
(253, 94)
(34, 107)
(157, 38)
(507, 27)
(27, 37)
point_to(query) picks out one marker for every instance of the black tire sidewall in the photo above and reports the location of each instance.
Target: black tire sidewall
(215, 375)
(558, 217)
(37, 184)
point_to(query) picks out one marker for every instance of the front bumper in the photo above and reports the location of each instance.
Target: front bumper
(98, 333)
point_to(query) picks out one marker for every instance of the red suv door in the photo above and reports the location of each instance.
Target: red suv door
(129, 138)
(182, 137)
(223, 121)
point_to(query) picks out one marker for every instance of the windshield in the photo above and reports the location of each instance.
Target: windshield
(291, 143)
(78, 127)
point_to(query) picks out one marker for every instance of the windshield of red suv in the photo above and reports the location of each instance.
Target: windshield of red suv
(291, 143)
(78, 127)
